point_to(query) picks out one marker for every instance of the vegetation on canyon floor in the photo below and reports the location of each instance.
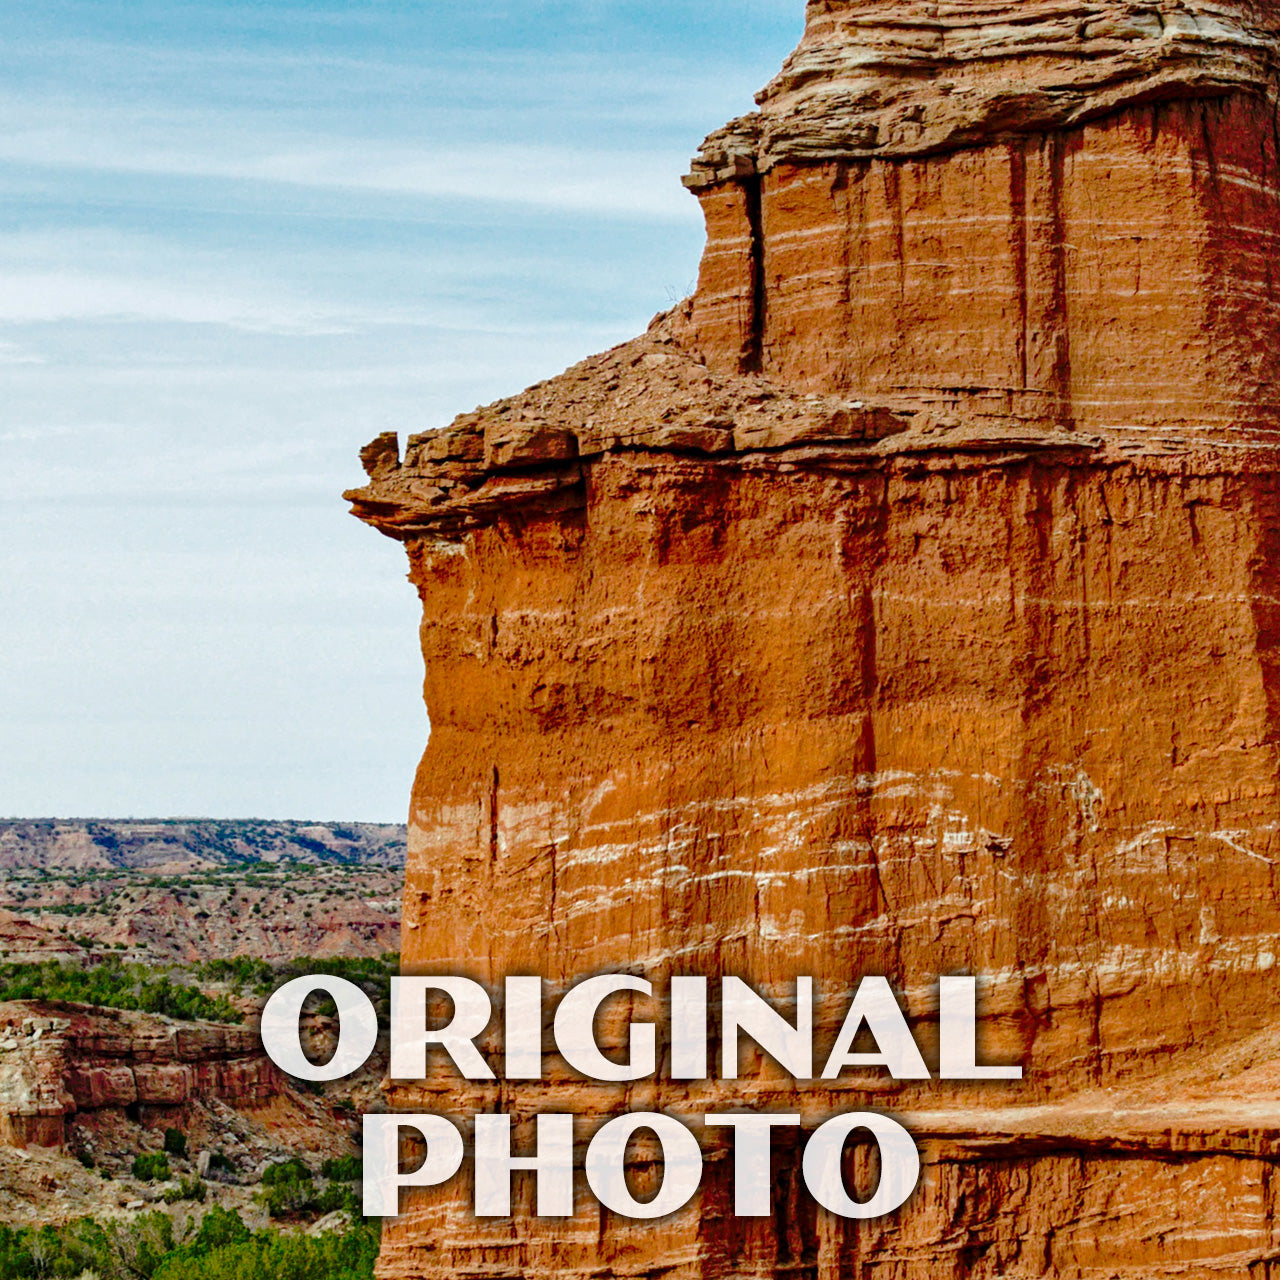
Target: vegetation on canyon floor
(289, 1189)
(112, 984)
(203, 992)
(272, 911)
(234, 1193)
(217, 1247)
(260, 977)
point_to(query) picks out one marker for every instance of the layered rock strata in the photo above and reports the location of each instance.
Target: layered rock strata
(903, 603)
(59, 1061)
(911, 77)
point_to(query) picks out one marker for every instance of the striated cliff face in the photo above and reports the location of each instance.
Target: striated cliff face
(903, 603)
(918, 212)
(911, 77)
(65, 1062)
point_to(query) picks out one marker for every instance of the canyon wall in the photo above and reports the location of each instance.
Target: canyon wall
(903, 603)
(61, 1061)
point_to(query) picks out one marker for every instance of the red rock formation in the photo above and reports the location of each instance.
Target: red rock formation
(63, 1060)
(905, 603)
(24, 942)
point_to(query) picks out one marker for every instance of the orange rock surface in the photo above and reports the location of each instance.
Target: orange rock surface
(905, 603)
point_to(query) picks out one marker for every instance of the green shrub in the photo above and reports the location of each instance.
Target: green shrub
(278, 1259)
(347, 1255)
(287, 1189)
(221, 1248)
(175, 1142)
(113, 984)
(285, 1171)
(187, 1189)
(218, 1228)
(344, 1169)
(129, 1249)
(337, 1195)
(152, 1167)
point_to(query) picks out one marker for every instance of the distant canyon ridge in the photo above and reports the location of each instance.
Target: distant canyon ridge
(190, 843)
(188, 891)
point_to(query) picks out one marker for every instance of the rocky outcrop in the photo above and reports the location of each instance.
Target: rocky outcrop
(24, 942)
(62, 1061)
(912, 77)
(904, 603)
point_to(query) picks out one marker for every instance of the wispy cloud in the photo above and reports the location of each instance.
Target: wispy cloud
(637, 184)
(16, 353)
(46, 297)
(54, 276)
(237, 240)
(542, 127)
(295, 287)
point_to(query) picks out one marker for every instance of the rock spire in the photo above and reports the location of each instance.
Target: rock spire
(904, 603)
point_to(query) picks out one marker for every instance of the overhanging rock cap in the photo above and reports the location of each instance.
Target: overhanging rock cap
(901, 79)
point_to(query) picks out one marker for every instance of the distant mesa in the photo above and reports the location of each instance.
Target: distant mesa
(184, 844)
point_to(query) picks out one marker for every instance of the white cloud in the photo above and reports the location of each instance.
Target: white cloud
(284, 287)
(636, 183)
(49, 296)
(16, 353)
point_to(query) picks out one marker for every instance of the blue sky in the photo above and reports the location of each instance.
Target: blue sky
(237, 241)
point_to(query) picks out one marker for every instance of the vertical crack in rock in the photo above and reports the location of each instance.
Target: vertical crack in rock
(493, 818)
(1018, 237)
(753, 351)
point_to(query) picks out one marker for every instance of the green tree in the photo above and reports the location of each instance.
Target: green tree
(152, 1167)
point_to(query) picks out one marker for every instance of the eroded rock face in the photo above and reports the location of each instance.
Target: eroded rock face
(59, 1061)
(910, 77)
(905, 603)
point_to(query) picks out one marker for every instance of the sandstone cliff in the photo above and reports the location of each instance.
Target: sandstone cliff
(60, 1063)
(85, 1090)
(903, 603)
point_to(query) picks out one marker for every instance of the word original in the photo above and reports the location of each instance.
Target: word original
(421, 1039)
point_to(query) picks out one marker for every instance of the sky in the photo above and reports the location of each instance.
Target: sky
(237, 241)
